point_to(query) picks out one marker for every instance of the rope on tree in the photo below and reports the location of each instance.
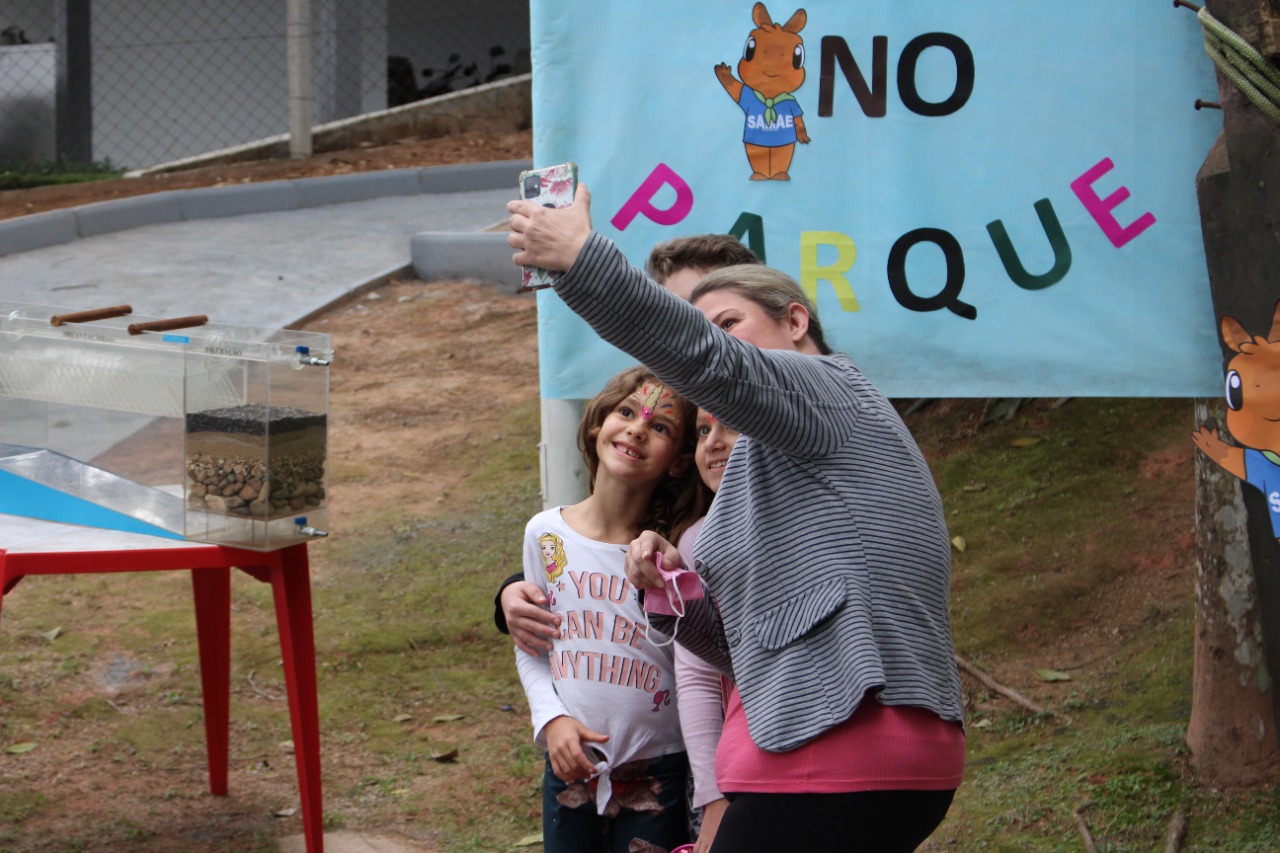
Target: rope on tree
(1241, 63)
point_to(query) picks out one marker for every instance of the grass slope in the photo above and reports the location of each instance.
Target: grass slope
(1075, 522)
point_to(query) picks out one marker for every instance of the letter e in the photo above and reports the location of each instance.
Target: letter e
(1100, 208)
(623, 629)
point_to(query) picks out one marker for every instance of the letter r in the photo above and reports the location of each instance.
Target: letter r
(811, 273)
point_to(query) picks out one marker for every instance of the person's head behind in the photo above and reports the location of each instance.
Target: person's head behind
(671, 434)
(757, 296)
(678, 264)
(715, 442)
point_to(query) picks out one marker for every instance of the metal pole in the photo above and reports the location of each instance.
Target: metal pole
(298, 35)
(74, 133)
(564, 474)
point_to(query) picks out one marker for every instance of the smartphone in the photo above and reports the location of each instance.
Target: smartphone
(552, 186)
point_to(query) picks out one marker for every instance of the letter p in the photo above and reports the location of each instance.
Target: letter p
(641, 200)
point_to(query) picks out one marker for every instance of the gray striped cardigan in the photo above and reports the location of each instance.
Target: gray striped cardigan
(826, 550)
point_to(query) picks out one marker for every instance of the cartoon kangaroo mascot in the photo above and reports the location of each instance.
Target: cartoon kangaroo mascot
(772, 67)
(1253, 413)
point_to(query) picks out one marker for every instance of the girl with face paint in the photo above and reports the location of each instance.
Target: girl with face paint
(603, 701)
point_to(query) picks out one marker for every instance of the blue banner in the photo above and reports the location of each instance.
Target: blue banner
(986, 200)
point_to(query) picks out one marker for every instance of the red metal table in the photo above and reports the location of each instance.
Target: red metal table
(31, 547)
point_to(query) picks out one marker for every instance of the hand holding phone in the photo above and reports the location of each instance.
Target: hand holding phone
(552, 186)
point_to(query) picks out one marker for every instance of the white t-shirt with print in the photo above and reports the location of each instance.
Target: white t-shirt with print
(606, 671)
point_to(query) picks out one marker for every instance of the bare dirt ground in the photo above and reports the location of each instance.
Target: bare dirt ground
(479, 143)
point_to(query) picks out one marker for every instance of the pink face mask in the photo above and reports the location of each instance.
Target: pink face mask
(682, 586)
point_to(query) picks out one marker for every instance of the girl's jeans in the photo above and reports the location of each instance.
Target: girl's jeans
(648, 802)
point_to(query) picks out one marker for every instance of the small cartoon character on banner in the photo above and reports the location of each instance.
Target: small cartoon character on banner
(1253, 413)
(772, 68)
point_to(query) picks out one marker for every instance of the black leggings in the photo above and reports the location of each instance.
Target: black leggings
(870, 821)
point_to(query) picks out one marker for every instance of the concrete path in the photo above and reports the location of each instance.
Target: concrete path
(263, 268)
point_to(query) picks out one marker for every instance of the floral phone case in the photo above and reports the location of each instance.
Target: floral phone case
(552, 186)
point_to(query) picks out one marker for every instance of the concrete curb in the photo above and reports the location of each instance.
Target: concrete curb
(109, 216)
(358, 186)
(235, 199)
(38, 230)
(354, 292)
(41, 230)
(485, 257)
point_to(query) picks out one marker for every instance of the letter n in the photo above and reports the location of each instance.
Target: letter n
(874, 98)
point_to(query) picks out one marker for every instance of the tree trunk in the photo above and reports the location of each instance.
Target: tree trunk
(1232, 733)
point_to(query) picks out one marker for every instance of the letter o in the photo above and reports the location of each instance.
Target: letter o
(907, 74)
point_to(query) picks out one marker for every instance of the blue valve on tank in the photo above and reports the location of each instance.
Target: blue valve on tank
(305, 357)
(300, 525)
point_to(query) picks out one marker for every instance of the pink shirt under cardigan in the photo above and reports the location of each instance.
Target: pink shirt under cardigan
(879, 748)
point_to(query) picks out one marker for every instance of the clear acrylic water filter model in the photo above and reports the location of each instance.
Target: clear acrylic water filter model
(199, 431)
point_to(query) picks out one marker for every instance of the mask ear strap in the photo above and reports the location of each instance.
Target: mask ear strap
(678, 609)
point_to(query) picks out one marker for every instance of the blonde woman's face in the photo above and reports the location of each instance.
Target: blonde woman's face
(745, 320)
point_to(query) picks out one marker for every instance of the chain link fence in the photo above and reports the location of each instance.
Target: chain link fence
(135, 83)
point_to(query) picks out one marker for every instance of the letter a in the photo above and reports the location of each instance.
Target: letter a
(752, 226)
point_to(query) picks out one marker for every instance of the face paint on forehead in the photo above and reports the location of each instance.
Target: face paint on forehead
(653, 397)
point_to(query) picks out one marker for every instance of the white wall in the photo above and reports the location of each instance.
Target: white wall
(348, 57)
(467, 29)
(28, 100)
(176, 78)
(28, 83)
(35, 17)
